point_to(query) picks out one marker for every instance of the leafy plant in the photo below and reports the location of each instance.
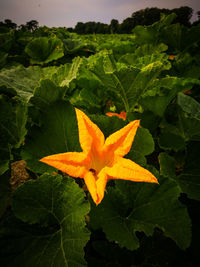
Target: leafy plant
(114, 83)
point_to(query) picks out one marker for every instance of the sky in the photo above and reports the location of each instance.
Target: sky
(66, 13)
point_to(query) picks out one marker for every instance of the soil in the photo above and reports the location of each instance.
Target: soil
(19, 174)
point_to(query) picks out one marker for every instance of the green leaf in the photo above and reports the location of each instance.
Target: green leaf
(189, 105)
(149, 49)
(143, 142)
(162, 92)
(108, 125)
(85, 98)
(189, 117)
(145, 35)
(152, 34)
(24, 80)
(58, 134)
(187, 66)
(44, 50)
(77, 46)
(6, 41)
(13, 118)
(3, 58)
(131, 207)
(141, 61)
(127, 82)
(167, 165)
(169, 140)
(66, 73)
(5, 192)
(142, 146)
(47, 93)
(171, 36)
(58, 207)
(189, 179)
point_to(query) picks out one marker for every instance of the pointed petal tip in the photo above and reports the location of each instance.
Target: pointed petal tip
(42, 159)
(135, 123)
(98, 201)
(45, 159)
(154, 180)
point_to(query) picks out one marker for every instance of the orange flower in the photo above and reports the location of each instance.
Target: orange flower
(101, 159)
(172, 57)
(122, 115)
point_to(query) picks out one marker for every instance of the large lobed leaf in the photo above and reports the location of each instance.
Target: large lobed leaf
(24, 80)
(56, 207)
(128, 82)
(131, 207)
(44, 50)
(58, 134)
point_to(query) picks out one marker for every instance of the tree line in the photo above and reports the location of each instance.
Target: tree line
(30, 25)
(142, 17)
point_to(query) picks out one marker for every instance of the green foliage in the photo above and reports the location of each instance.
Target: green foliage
(58, 134)
(128, 82)
(24, 80)
(153, 75)
(58, 234)
(13, 118)
(66, 73)
(189, 117)
(3, 58)
(167, 165)
(189, 178)
(44, 50)
(142, 207)
(143, 145)
(47, 93)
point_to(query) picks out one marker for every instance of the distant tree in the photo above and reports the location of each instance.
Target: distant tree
(127, 25)
(184, 15)
(70, 29)
(148, 16)
(138, 17)
(80, 28)
(102, 28)
(90, 27)
(151, 15)
(9, 24)
(32, 25)
(22, 27)
(114, 26)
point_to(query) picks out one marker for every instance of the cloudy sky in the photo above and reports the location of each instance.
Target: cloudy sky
(68, 12)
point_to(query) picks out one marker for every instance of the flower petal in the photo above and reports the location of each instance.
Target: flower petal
(72, 163)
(122, 115)
(101, 185)
(90, 182)
(126, 169)
(121, 141)
(89, 133)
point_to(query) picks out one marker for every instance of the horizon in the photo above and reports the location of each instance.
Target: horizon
(66, 14)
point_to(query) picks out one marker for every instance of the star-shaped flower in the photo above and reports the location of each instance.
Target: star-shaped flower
(101, 159)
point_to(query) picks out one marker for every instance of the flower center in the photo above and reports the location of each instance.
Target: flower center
(99, 161)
